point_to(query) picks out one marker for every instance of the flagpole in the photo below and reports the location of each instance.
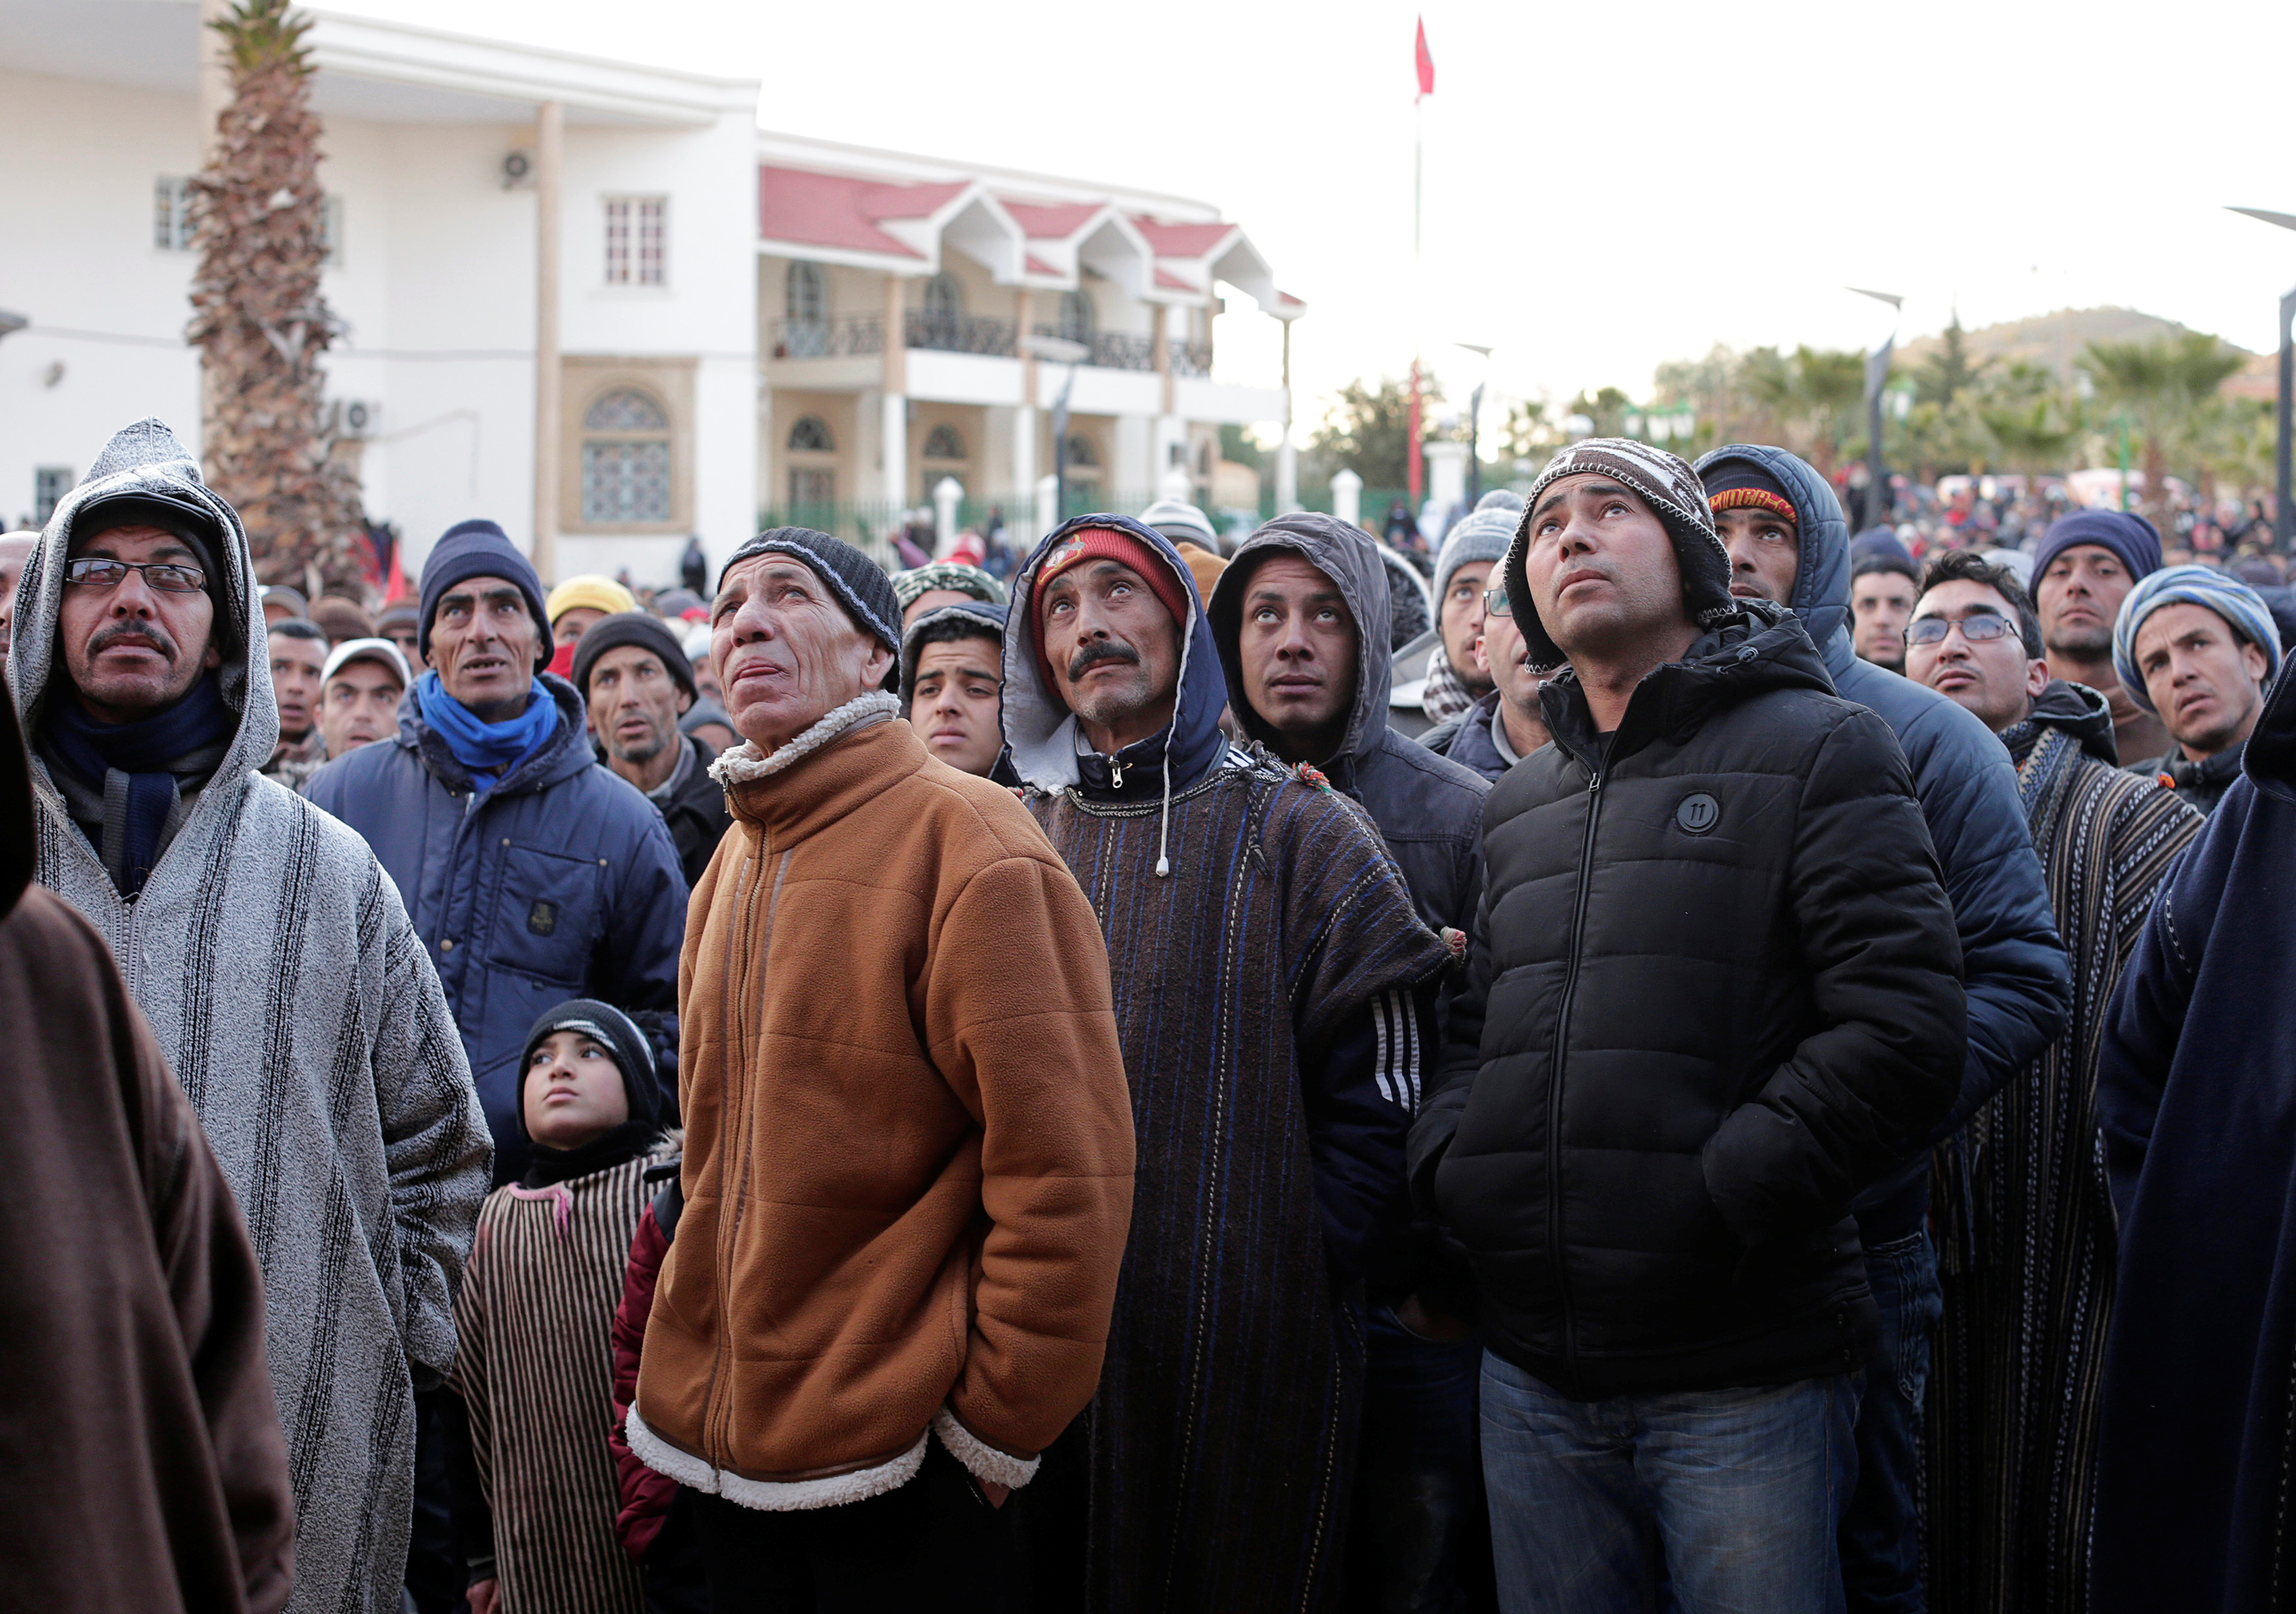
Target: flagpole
(1411, 456)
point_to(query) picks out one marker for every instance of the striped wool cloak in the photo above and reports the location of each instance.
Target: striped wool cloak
(2024, 1220)
(1222, 1440)
(536, 1368)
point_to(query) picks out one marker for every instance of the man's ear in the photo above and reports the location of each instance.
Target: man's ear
(880, 663)
(685, 701)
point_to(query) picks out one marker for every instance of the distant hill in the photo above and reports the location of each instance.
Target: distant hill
(2054, 340)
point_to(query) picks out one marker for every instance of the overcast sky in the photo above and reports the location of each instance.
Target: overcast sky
(1607, 186)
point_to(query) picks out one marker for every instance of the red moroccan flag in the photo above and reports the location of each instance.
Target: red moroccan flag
(1426, 63)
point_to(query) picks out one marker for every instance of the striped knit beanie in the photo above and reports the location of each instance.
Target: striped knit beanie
(2241, 606)
(1671, 488)
(1481, 535)
(907, 586)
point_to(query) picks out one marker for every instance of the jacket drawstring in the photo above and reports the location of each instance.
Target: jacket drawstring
(1171, 731)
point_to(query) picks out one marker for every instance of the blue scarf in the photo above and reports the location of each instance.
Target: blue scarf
(488, 751)
(146, 751)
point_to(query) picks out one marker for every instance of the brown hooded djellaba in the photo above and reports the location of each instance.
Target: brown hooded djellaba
(908, 1148)
(141, 1469)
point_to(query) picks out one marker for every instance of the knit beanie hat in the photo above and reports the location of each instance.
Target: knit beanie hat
(1481, 536)
(1181, 522)
(625, 628)
(859, 583)
(1878, 549)
(590, 589)
(2131, 537)
(1736, 484)
(619, 1036)
(2241, 607)
(909, 586)
(401, 612)
(965, 619)
(481, 549)
(298, 609)
(1203, 565)
(1109, 544)
(1671, 488)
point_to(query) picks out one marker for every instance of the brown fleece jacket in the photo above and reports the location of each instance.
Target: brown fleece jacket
(908, 1147)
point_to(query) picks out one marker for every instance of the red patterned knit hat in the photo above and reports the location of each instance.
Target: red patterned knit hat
(1108, 543)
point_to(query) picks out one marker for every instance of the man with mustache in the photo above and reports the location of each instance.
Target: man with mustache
(1273, 982)
(2197, 649)
(1304, 680)
(275, 966)
(1713, 988)
(1788, 543)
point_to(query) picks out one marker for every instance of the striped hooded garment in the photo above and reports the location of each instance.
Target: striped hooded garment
(297, 1007)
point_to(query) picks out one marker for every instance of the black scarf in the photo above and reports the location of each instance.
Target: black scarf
(626, 1142)
(155, 755)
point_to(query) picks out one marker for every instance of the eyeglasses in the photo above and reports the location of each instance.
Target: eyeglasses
(1496, 602)
(163, 575)
(1976, 630)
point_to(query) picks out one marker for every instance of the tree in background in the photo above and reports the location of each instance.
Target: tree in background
(1368, 431)
(257, 316)
(2162, 386)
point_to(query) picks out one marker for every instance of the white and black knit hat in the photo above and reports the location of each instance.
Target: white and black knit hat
(1671, 488)
(859, 583)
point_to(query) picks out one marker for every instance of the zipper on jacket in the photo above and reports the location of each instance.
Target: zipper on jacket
(1556, 1256)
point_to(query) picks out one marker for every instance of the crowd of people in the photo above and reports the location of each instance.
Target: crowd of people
(1699, 1061)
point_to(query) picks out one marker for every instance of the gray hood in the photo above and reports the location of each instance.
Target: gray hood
(145, 458)
(1820, 593)
(1346, 554)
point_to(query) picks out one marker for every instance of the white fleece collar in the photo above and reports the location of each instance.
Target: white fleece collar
(743, 764)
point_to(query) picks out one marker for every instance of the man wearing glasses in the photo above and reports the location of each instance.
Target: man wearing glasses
(278, 972)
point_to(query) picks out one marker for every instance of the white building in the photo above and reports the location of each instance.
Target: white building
(722, 296)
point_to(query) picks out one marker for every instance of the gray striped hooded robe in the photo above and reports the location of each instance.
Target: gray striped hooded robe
(298, 1007)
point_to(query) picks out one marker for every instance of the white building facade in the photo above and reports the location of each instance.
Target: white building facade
(722, 297)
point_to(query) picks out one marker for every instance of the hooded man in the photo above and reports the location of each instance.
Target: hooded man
(636, 683)
(2084, 569)
(953, 687)
(2197, 649)
(530, 868)
(2196, 1093)
(278, 972)
(1789, 544)
(2025, 1217)
(1271, 978)
(1714, 987)
(1305, 680)
(908, 1153)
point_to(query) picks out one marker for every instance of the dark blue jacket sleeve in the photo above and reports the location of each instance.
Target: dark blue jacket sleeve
(1359, 1090)
(635, 965)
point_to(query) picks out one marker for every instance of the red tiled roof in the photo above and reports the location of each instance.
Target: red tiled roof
(1049, 220)
(838, 211)
(1180, 241)
(1171, 282)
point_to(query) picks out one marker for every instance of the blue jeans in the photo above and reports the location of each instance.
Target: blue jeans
(1723, 1502)
(1418, 1475)
(1881, 1535)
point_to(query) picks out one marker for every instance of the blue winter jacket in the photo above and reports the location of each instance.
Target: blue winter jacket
(2014, 964)
(561, 882)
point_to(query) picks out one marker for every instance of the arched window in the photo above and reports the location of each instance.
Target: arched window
(626, 458)
(943, 298)
(1084, 454)
(1076, 317)
(811, 435)
(943, 442)
(804, 297)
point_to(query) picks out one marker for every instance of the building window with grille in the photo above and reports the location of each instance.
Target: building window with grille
(944, 443)
(638, 249)
(805, 312)
(50, 483)
(626, 459)
(171, 213)
(943, 298)
(1076, 317)
(812, 472)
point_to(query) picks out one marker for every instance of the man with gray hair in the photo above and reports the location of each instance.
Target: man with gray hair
(278, 971)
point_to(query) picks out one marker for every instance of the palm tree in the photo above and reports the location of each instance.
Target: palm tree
(2033, 439)
(256, 314)
(2161, 383)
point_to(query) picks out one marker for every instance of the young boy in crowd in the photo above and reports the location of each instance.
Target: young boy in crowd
(535, 1365)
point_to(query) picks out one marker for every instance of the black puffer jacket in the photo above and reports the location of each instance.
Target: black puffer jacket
(1714, 989)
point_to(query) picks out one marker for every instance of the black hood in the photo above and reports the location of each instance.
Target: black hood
(1765, 647)
(2270, 756)
(2080, 712)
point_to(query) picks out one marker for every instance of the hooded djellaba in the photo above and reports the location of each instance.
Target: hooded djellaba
(1271, 978)
(298, 1009)
(141, 1466)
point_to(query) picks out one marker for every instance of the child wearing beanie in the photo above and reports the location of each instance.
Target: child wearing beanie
(537, 1491)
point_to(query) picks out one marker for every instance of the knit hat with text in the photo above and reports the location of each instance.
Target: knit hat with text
(1671, 488)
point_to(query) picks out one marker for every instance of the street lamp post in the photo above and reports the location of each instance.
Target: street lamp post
(1059, 350)
(2284, 517)
(1877, 377)
(1474, 423)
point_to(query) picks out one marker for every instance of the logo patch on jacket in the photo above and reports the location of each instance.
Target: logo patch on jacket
(1697, 813)
(542, 919)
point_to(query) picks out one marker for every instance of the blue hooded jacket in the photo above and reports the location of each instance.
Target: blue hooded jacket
(2014, 964)
(561, 882)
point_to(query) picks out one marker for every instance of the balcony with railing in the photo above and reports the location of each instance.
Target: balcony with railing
(862, 335)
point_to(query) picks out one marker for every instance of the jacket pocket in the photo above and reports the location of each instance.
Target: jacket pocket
(548, 908)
